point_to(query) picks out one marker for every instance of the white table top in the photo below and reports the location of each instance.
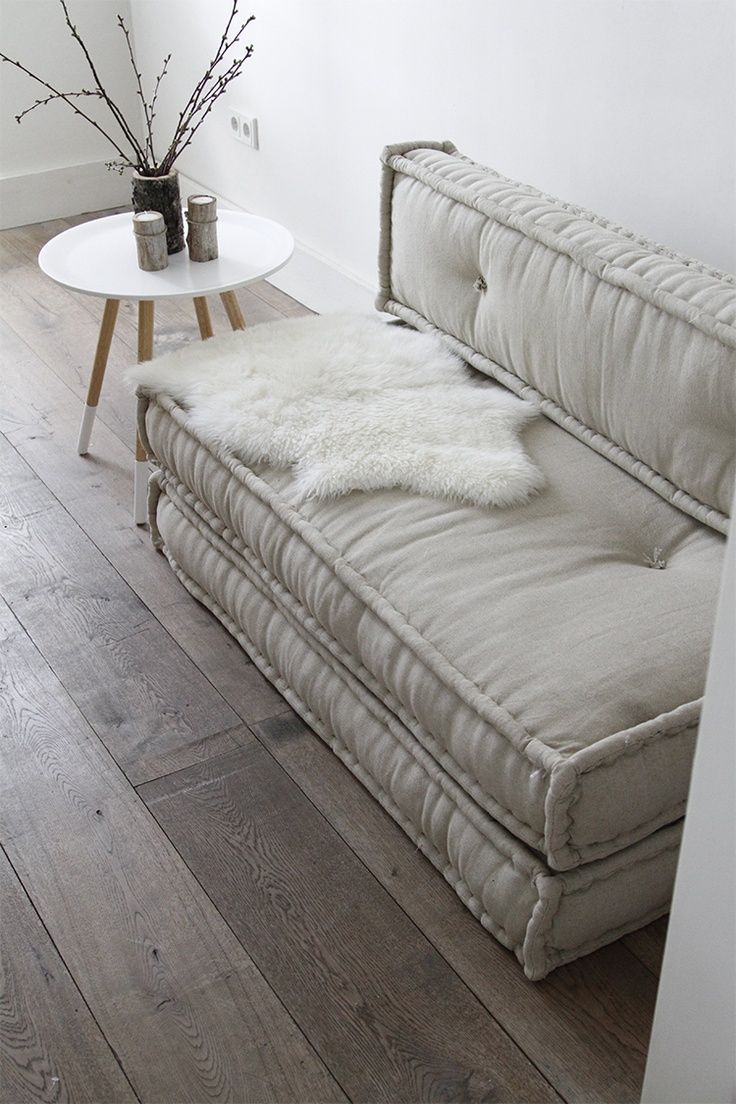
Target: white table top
(99, 258)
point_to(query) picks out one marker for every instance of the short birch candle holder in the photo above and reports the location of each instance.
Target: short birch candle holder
(202, 227)
(149, 230)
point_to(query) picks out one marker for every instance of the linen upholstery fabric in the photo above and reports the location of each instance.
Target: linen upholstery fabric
(530, 652)
(518, 688)
(627, 345)
(546, 918)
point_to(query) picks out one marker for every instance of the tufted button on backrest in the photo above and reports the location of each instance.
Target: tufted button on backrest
(593, 320)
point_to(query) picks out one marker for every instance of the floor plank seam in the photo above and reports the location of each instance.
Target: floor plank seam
(410, 918)
(212, 762)
(175, 644)
(233, 729)
(101, 413)
(159, 828)
(646, 965)
(288, 1012)
(256, 967)
(82, 997)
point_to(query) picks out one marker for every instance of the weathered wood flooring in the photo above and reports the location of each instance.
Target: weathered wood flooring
(199, 902)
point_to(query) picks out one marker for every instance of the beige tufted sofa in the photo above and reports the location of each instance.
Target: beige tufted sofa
(519, 688)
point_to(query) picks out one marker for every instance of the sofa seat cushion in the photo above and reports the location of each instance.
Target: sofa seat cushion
(547, 918)
(532, 652)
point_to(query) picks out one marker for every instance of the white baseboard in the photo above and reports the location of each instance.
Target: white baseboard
(314, 280)
(322, 285)
(55, 193)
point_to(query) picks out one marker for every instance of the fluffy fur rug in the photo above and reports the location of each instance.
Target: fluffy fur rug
(353, 404)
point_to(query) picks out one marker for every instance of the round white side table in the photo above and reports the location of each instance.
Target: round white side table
(99, 258)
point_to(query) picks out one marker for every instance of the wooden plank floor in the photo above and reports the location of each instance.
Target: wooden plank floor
(199, 902)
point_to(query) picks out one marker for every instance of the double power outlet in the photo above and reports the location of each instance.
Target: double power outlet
(243, 128)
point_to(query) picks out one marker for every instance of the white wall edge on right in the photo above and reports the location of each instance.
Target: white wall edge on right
(692, 1053)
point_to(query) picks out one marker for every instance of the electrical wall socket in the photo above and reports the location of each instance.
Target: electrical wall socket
(244, 128)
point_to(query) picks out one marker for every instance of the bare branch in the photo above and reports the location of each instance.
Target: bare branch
(55, 96)
(219, 73)
(191, 106)
(202, 97)
(219, 80)
(159, 78)
(64, 96)
(223, 49)
(113, 107)
(139, 83)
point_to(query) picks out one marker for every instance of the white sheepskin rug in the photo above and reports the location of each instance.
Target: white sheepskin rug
(352, 403)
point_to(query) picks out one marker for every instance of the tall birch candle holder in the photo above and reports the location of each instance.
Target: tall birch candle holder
(149, 229)
(202, 227)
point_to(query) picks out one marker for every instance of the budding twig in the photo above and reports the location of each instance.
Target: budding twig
(133, 153)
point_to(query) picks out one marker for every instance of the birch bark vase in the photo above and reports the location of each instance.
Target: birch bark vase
(202, 232)
(150, 239)
(161, 193)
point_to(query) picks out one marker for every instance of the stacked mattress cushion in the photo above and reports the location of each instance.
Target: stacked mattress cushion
(519, 688)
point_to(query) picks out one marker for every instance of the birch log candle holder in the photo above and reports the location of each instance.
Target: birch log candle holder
(202, 232)
(149, 229)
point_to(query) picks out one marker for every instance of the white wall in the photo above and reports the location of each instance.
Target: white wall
(692, 1056)
(52, 163)
(625, 106)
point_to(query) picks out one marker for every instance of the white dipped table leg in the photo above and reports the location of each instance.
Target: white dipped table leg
(85, 429)
(104, 341)
(140, 492)
(140, 477)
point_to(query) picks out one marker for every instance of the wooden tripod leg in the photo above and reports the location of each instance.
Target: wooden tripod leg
(107, 329)
(232, 306)
(145, 352)
(203, 317)
(145, 330)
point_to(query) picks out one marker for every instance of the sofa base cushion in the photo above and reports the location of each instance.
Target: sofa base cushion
(546, 918)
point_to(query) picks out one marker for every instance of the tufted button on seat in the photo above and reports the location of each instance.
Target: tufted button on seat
(655, 559)
(480, 284)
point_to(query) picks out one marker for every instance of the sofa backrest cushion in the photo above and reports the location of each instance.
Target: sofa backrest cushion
(624, 343)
